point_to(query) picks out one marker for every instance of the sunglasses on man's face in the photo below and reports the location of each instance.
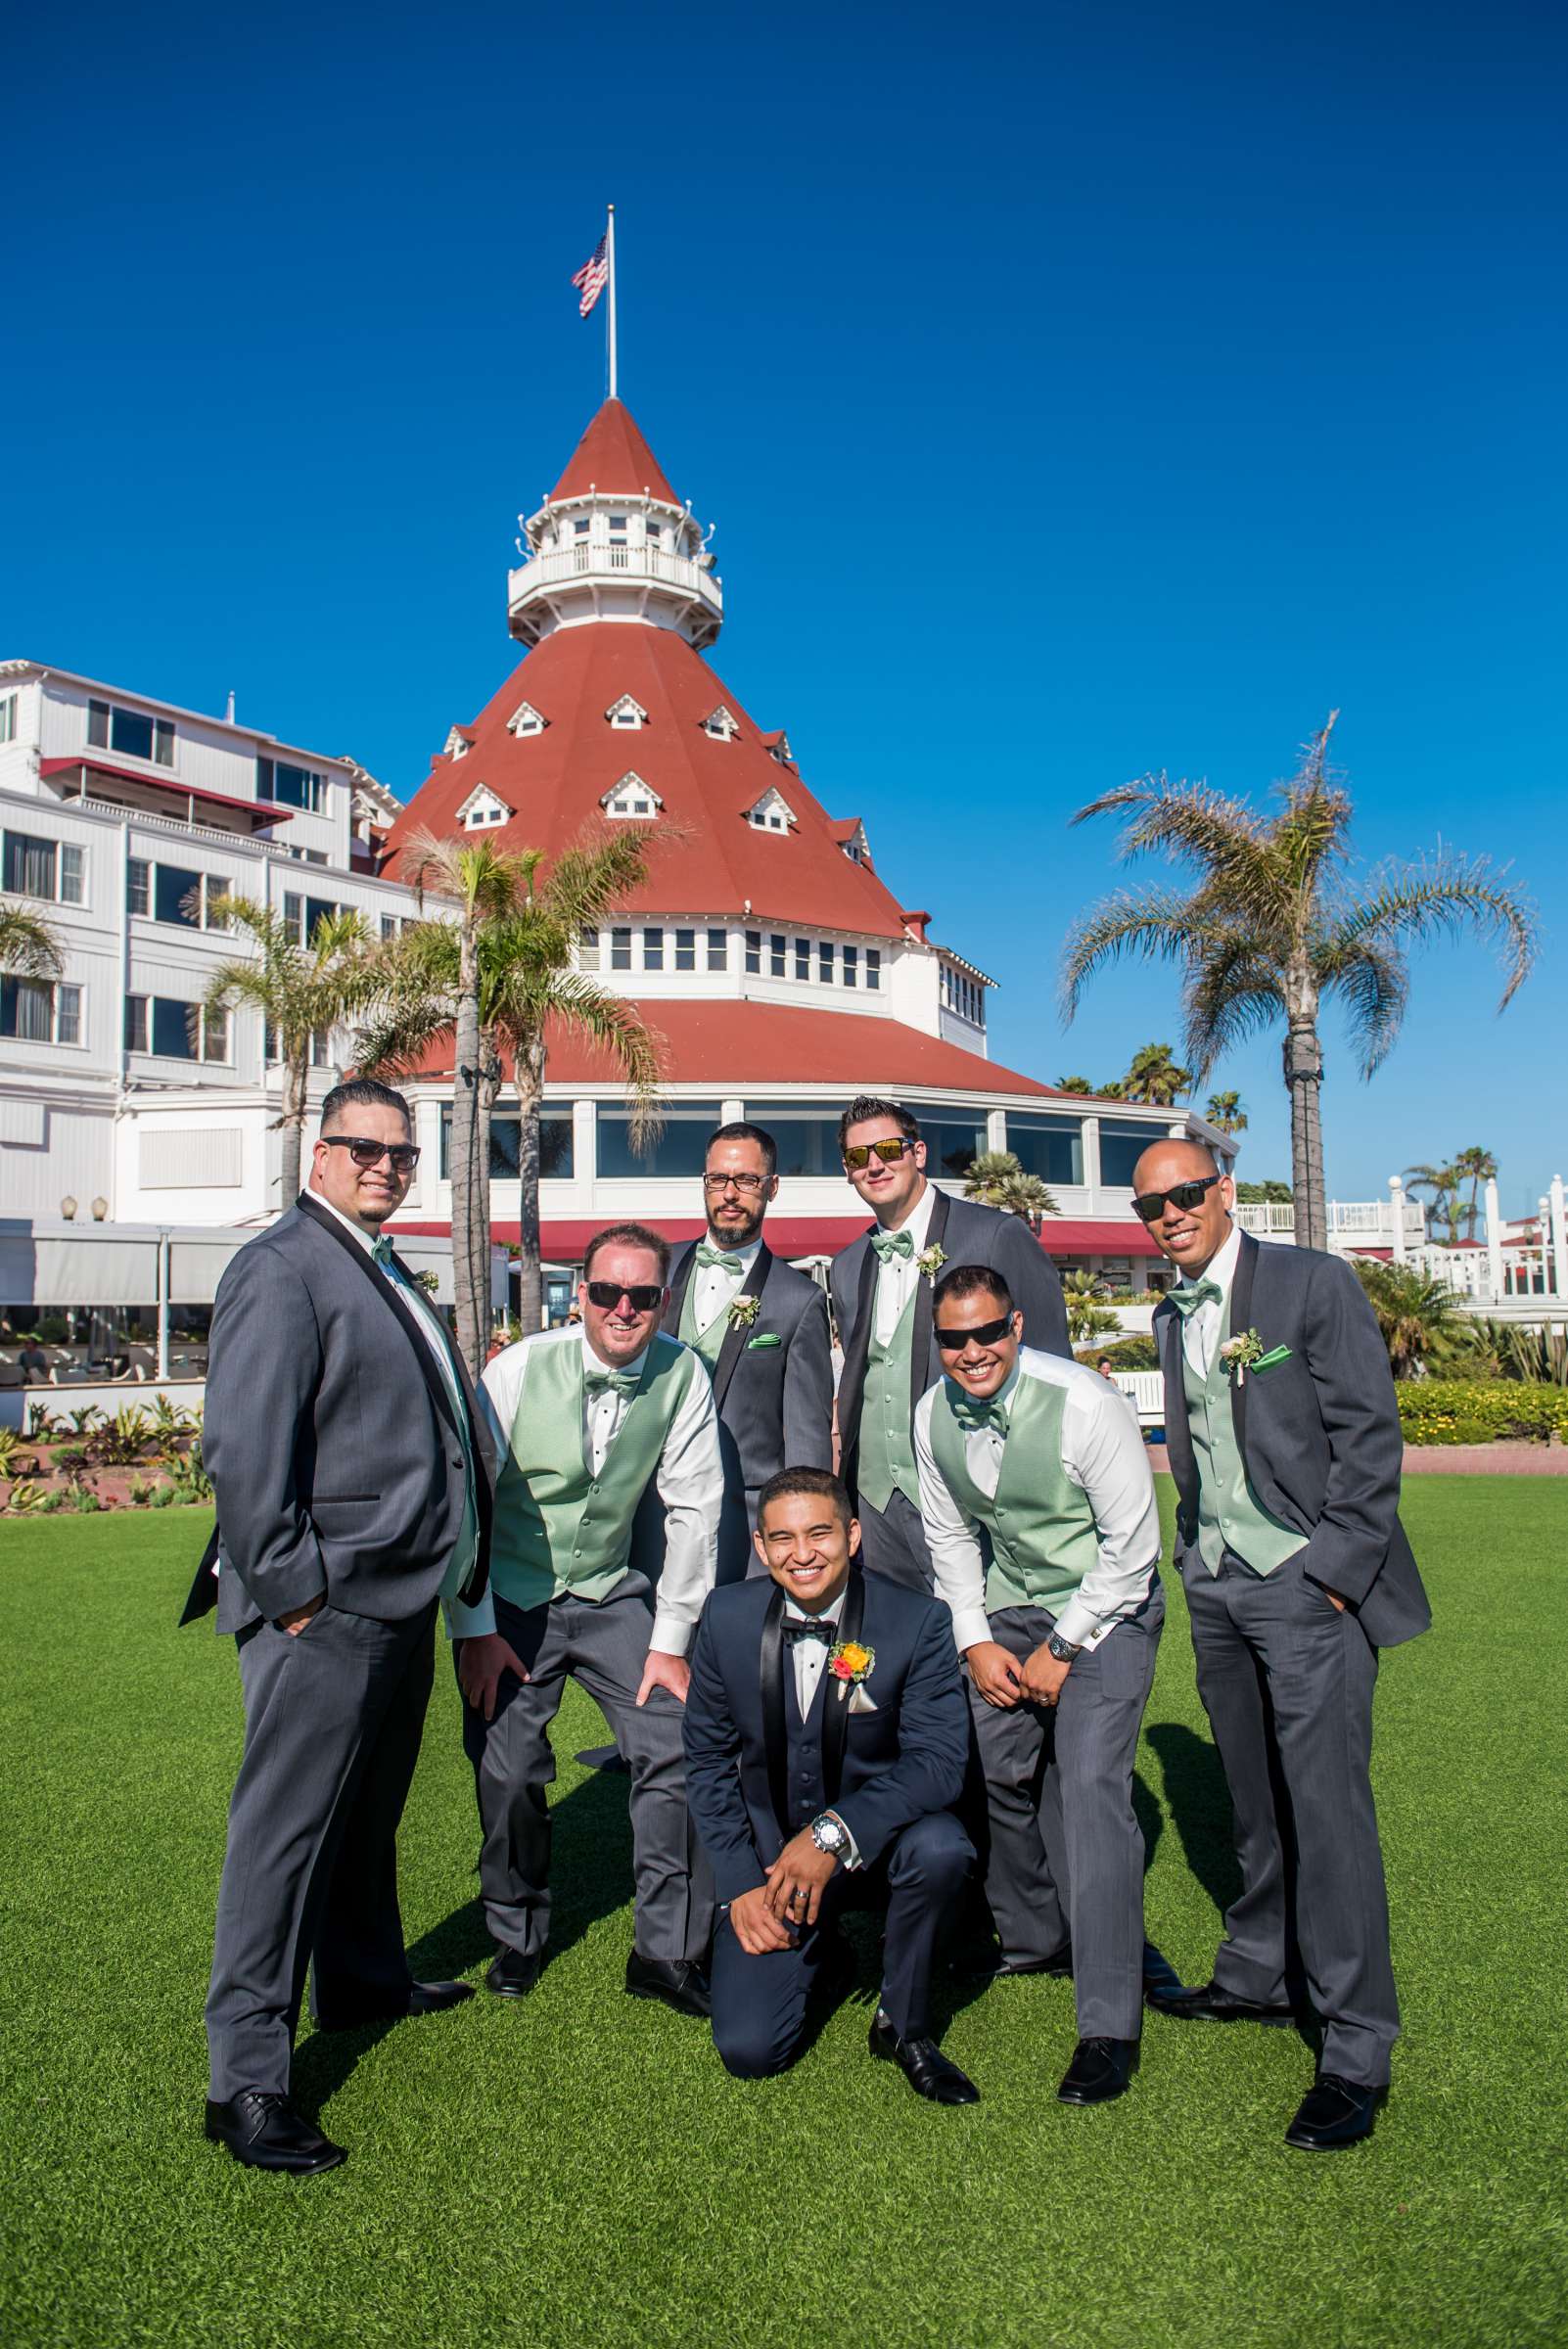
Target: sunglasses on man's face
(402, 1157)
(981, 1333)
(606, 1294)
(857, 1155)
(1152, 1205)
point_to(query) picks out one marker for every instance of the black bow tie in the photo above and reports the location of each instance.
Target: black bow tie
(809, 1630)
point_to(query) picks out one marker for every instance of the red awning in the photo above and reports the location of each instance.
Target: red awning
(1059, 1237)
(263, 809)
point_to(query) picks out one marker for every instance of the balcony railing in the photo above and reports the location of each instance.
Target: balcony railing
(1349, 1220)
(617, 561)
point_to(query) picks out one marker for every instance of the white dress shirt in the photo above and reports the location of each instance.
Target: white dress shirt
(1200, 1331)
(810, 1658)
(714, 1288)
(899, 1276)
(1103, 1454)
(689, 1479)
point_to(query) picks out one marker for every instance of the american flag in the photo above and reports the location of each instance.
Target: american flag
(591, 278)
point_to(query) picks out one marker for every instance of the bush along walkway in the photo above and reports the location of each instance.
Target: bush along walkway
(88, 1460)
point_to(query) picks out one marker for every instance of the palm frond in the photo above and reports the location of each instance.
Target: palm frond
(1373, 982)
(1442, 895)
(1224, 839)
(614, 1024)
(29, 945)
(1153, 924)
(1234, 991)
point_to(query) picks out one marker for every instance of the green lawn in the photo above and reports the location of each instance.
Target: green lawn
(578, 2170)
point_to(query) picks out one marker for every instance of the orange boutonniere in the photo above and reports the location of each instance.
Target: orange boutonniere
(850, 1663)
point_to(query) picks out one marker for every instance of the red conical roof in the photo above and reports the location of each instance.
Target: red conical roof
(613, 455)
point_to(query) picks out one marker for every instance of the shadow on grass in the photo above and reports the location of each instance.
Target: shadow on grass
(1199, 1803)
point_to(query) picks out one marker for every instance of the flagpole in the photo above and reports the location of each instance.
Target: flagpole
(610, 256)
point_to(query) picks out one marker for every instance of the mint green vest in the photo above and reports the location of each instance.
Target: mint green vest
(557, 1527)
(1044, 1537)
(1230, 1516)
(886, 1456)
(706, 1342)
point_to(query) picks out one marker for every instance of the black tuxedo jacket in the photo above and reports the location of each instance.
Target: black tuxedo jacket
(1319, 1432)
(969, 1234)
(881, 1769)
(773, 1379)
(330, 1436)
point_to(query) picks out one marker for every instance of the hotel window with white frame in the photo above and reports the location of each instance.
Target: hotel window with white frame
(685, 949)
(8, 716)
(803, 958)
(778, 949)
(621, 950)
(580, 528)
(300, 916)
(628, 716)
(653, 949)
(36, 867)
(40, 1011)
(718, 949)
(873, 969)
(319, 1055)
(824, 961)
(721, 724)
(168, 1029)
(587, 949)
(851, 966)
(754, 952)
(131, 733)
(290, 786)
(632, 797)
(525, 720)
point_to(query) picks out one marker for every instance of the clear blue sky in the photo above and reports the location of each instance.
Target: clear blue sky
(1077, 391)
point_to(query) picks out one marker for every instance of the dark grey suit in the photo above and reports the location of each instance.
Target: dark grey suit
(774, 1385)
(338, 1465)
(1286, 1681)
(893, 1541)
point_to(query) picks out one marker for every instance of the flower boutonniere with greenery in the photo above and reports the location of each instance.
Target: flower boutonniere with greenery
(743, 1311)
(1240, 1354)
(931, 1260)
(850, 1663)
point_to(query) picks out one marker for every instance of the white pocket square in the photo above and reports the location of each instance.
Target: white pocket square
(860, 1702)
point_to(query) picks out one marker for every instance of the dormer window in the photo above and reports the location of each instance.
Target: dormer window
(456, 745)
(481, 810)
(628, 716)
(525, 720)
(721, 724)
(632, 797)
(778, 748)
(771, 814)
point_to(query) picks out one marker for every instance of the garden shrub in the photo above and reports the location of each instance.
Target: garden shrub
(1453, 1410)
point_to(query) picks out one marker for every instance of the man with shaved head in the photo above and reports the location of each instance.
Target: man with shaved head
(1284, 1437)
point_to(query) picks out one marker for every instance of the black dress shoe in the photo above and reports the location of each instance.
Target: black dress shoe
(679, 1981)
(1208, 2004)
(995, 1966)
(1334, 2112)
(265, 2133)
(514, 1972)
(1100, 2069)
(923, 2064)
(423, 1997)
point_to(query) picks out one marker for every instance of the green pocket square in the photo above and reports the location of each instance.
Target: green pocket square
(770, 1337)
(1276, 1354)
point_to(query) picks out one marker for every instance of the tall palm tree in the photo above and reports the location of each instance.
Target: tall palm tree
(1475, 1167)
(300, 990)
(1273, 928)
(1443, 1183)
(29, 946)
(1225, 1111)
(1155, 1076)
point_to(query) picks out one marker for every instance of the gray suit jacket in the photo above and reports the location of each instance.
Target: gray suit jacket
(775, 1402)
(970, 1234)
(1319, 1432)
(329, 1436)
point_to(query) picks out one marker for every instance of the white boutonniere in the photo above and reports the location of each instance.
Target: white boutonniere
(1239, 1354)
(931, 1260)
(743, 1311)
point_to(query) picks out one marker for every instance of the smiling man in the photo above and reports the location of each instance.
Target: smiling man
(1284, 1437)
(590, 1418)
(1043, 1459)
(825, 1748)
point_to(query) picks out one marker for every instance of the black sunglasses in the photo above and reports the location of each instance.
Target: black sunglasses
(860, 1154)
(984, 1333)
(403, 1156)
(1152, 1205)
(642, 1300)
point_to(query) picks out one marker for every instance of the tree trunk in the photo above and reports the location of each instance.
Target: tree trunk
(292, 1125)
(468, 1280)
(486, 1089)
(1304, 1074)
(529, 1099)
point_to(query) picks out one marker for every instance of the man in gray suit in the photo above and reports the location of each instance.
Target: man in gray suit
(762, 1330)
(881, 1302)
(353, 1475)
(1284, 1437)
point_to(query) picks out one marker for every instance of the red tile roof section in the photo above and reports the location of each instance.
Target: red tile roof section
(556, 780)
(613, 455)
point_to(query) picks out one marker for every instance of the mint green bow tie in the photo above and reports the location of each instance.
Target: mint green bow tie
(382, 1252)
(1187, 1301)
(620, 1382)
(975, 1415)
(893, 1243)
(708, 1256)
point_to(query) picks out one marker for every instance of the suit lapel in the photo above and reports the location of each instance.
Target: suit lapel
(856, 1346)
(775, 1736)
(395, 1305)
(739, 1333)
(920, 1337)
(1168, 1330)
(1240, 1323)
(836, 1700)
(679, 1277)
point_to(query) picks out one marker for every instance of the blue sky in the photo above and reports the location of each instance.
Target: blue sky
(1077, 391)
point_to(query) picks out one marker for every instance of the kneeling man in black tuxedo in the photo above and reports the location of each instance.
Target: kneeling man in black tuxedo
(826, 1735)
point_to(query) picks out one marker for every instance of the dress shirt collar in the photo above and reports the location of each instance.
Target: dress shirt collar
(744, 1257)
(1221, 1266)
(795, 1614)
(367, 1239)
(594, 1362)
(919, 1223)
(1005, 1394)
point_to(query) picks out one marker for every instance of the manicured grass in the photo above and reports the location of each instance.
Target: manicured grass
(580, 2171)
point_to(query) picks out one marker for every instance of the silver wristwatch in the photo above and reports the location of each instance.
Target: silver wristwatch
(1062, 1649)
(830, 1834)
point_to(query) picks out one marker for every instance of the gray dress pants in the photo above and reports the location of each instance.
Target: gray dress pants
(1282, 1674)
(603, 1647)
(333, 1717)
(1066, 1852)
(892, 1543)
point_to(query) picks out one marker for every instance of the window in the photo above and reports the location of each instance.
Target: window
(588, 951)
(177, 895)
(525, 720)
(481, 809)
(824, 961)
(456, 745)
(873, 968)
(293, 916)
(8, 718)
(1048, 1146)
(35, 867)
(290, 786)
(128, 731)
(803, 958)
(653, 949)
(718, 949)
(651, 532)
(851, 966)
(628, 716)
(721, 724)
(319, 1055)
(171, 1029)
(807, 1133)
(754, 951)
(1121, 1148)
(621, 950)
(618, 525)
(771, 814)
(777, 948)
(953, 1138)
(392, 925)
(685, 949)
(579, 528)
(138, 886)
(40, 1011)
(679, 1152)
(631, 796)
(506, 1145)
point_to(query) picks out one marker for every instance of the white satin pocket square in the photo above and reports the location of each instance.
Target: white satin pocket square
(860, 1702)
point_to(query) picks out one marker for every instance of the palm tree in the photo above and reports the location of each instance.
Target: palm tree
(1419, 1318)
(1073, 1085)
(1273, 928)
(301, 991)
(1475, 1167)
(1443, 1182)
(29, 946)
(997, 1179)
(1155, 1076)
(1224, 1110)
(1088, 1317)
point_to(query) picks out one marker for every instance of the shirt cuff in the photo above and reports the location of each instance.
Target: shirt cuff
(851, 1856)
(469, 1623)
(1076, 1623)
(671, 1633)
(970, 1626)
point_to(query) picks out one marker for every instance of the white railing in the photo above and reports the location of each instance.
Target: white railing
(1349, 1220)
(615, 559)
